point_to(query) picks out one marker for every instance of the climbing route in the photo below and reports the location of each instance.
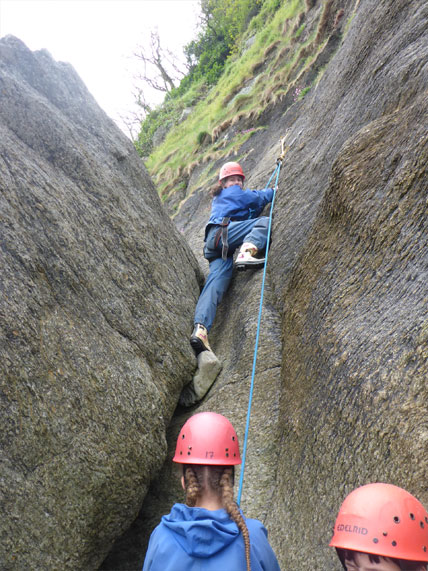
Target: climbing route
(274, 175)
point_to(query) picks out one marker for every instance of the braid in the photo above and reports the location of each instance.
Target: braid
(226, 484)
(220, 479)
(193, 488)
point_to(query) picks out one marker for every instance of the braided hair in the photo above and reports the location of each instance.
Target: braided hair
(219, 479)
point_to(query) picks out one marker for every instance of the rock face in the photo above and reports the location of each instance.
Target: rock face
(98, 289)
(94, 323)
(355, 393)
(341, 383)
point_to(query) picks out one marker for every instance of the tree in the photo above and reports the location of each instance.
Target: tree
(161, 68)
(222, 23)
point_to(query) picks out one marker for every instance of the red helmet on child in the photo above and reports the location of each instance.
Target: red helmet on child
(229, 169)
(384, 520)
(207, 438)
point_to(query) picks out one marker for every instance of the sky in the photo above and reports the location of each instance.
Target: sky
(99, 39)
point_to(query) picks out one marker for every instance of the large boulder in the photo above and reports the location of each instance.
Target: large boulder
(94, 324)
(355, 330)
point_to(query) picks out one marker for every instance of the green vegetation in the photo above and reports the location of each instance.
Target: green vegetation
(231, 83)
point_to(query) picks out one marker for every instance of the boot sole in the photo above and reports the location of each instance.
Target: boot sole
(197, 345)
(249, 266)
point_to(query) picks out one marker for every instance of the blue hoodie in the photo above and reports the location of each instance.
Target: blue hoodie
(190, 539)
(239, 204)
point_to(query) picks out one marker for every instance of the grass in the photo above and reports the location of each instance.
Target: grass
(283, 52)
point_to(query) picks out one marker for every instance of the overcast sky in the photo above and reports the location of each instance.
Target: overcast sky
(99, 37)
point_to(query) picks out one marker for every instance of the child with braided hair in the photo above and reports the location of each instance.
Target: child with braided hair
(206, 532)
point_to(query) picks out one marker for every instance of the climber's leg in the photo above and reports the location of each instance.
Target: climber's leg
(258, 233)
(254, 241)
(240, 230)
(218, 281)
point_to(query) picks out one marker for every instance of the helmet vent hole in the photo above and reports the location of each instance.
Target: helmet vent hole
(385, 533)
(425, 549)
(393, 543)
(412, 516)
(233, 438)
(182, 436)
(426, 519)
(396, 519)
(375, 540)
(421, 523)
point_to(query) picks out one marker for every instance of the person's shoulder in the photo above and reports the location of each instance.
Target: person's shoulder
(260, 545)
(255, 526)
(231, 190)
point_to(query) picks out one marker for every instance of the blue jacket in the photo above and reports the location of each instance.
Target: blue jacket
(239, 204)
(190, 539)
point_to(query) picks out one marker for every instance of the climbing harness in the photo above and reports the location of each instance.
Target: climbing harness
(247, 426)
(223, 233)
(224, 237)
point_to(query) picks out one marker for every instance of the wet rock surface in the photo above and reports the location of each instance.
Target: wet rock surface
(340, 387)
(92, 351)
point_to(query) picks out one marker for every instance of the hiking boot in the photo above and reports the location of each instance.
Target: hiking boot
(199, 339)
(246, 258)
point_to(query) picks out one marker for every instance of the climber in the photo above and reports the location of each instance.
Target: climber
(381, 527)
(235, 221)
(209, 532)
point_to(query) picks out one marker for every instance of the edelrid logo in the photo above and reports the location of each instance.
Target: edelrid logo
(352, 529)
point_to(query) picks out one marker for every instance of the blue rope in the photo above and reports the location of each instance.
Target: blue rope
(247, 427)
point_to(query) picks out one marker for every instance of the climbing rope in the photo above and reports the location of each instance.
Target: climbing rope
(250, 400)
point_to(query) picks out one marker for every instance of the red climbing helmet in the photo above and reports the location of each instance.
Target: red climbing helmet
(207, 438)
(385, 520)
(229, 169)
